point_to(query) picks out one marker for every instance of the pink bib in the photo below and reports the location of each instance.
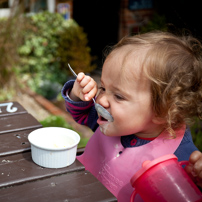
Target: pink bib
(103, 158)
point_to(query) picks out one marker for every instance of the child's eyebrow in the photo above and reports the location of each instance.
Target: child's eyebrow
(114, 88)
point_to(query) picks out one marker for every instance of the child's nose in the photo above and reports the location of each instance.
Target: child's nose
(103, 100)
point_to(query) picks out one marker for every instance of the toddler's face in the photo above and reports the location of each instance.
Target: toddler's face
(125, 93)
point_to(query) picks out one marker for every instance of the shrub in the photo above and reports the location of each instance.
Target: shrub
(49, 44)
(73, 49)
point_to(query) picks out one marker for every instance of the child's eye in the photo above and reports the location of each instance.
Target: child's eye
(118, 97)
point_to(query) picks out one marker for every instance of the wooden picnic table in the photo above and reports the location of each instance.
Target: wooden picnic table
(22, 180)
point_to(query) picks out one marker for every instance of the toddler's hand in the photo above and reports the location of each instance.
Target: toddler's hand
(85, 88)
(194, 169)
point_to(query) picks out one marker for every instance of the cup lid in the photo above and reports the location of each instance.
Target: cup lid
(146, 165)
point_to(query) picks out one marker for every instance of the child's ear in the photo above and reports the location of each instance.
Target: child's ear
(158, 120)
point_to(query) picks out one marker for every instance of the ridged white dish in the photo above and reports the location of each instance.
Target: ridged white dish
(53, 147)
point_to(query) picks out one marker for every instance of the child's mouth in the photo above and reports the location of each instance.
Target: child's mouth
(101, 120)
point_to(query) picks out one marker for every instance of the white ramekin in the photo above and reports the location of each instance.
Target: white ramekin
(53, 147)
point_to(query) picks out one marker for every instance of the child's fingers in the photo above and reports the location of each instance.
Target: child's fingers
(80, 77)
(196, 160)
(85, 81)
(89, 86)
(199, 179)
(195, 156)
(200, 175)
(189, 168)
(197, 168)
(86, 87)
(91, 94)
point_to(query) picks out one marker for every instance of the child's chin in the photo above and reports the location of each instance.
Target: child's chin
(104, 128)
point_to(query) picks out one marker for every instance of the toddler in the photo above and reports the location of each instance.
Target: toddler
(152, 86)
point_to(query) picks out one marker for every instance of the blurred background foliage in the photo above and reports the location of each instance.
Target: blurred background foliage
(35, 51)
(48, 46)
(10, 40)
(196, 131)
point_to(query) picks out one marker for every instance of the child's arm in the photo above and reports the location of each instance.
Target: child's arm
(85, 88)
(83, 112)
(195, 167)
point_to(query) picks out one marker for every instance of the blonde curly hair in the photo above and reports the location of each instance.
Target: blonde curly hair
(173, 64)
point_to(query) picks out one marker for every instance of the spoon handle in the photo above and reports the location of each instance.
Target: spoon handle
(72, 70)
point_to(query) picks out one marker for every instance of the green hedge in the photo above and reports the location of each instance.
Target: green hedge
(50, 43)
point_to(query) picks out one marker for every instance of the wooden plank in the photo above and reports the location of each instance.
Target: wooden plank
(17, 123)
(15, 142)
(71, 187)
(20, 168)
(11, 108)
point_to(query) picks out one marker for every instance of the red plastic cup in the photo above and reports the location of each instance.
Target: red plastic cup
(164, 179)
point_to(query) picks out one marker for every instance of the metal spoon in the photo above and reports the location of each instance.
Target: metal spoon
(100, 110)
